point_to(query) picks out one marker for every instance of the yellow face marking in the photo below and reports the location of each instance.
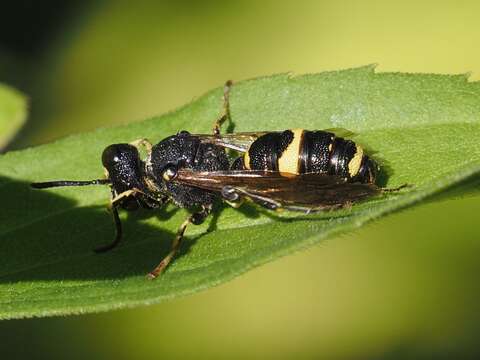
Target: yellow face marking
(288, 161)
(246, 160)
(354, 164)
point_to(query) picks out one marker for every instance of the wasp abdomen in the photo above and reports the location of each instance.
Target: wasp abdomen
(316, 152)
(266, 151)
(301, 151)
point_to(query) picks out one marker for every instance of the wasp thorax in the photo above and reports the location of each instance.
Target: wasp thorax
(176, 151)
(184, 151)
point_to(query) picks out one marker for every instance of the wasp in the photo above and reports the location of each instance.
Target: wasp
(295, 169)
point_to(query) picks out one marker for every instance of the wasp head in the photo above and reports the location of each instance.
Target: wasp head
(126, 172)
(123, 166)
(125, 175)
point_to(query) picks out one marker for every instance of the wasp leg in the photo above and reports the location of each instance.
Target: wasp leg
(116, 199)
(143, 142)
(118, 231)
(196, 219)
(226, 108)
(236, 195)
(314, 209)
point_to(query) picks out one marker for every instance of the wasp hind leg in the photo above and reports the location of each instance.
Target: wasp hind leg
(226, 108)
(195, 219)
(236, 196)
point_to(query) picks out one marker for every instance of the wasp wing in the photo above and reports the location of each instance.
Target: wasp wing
(241, 141)
(306, 192)
(236, 141)
(341, 132)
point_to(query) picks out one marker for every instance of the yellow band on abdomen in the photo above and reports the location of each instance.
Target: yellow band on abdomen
(288, 162)
(355, 162)
(246, 160)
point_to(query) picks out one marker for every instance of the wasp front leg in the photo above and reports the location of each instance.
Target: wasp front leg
(118, 198)
(195, 219)
(226, 108)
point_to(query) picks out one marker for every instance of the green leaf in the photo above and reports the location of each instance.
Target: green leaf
(13, 113)
(424, 130)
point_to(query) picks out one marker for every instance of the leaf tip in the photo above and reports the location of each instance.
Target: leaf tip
(467, 75)
(371, 67)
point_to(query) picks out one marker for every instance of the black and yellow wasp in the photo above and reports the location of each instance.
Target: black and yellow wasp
(293, 169)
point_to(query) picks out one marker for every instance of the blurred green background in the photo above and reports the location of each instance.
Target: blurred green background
(402, 287)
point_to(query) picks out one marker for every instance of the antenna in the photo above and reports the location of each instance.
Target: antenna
(50, 184)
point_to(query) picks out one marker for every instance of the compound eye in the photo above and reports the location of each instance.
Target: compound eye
(169, 172)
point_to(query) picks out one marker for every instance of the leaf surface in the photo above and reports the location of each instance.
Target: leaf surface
(423, 130)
